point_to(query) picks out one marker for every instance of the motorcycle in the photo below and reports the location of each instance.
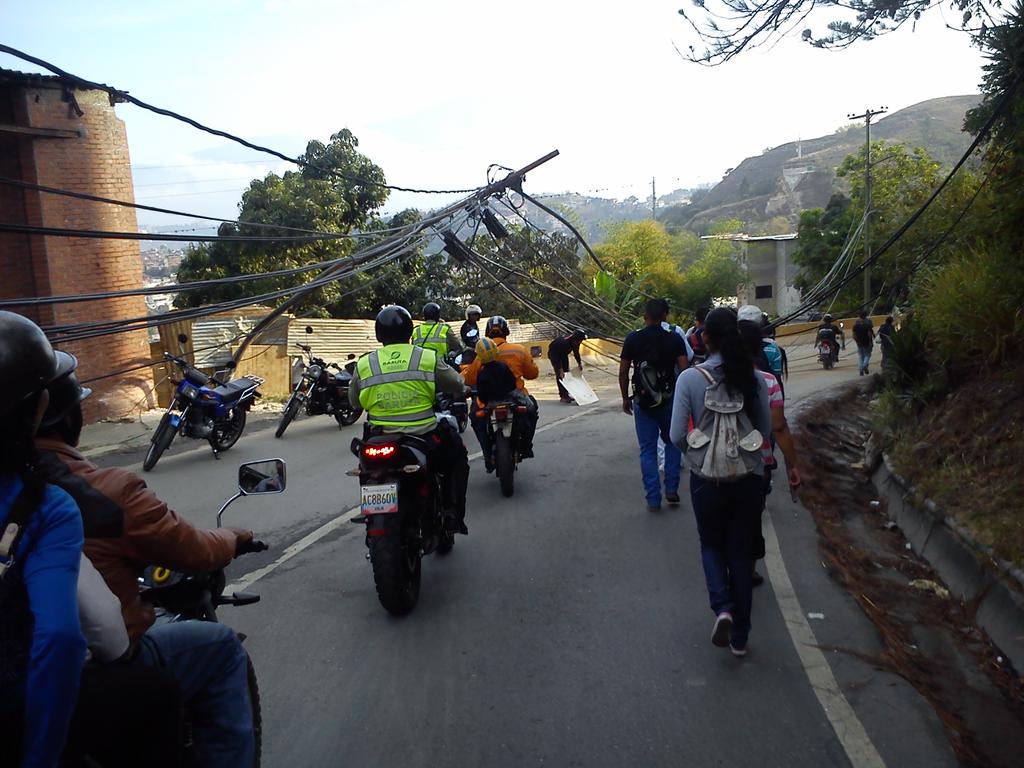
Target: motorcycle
(503, 426)
(204, 408)
(402, 506)
(826, 355)
(178, 596)
(320, 392)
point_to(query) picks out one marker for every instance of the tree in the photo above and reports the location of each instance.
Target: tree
(902, 181)
(642, 260)
(337, 192)
(726, 28)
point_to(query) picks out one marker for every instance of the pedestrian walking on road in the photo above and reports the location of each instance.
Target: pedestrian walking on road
(864, 335)
(885, 334)
(654, 355)
(724, 395)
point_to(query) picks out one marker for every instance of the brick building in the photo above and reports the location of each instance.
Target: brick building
(56, 135)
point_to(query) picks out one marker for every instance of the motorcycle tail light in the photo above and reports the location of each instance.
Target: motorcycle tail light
(501, 413)
(521, 409)
(380, 452)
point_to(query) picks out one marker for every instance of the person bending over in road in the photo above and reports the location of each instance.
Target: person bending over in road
(728, 513)
(205, 658)
(558, 356)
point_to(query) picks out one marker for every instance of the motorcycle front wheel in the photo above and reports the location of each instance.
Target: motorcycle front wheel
(160, 442)
(290, 411)
(257, 713)
(348, 416)
(226, 433)
(504, 463)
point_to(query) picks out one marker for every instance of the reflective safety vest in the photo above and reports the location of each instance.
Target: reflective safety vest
(433, 336)
(396, 386)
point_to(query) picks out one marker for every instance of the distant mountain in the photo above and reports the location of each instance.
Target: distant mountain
(785, 180)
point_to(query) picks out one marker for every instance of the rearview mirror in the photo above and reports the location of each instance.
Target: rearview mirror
(458, 360)
(258, 477)
(309, 329)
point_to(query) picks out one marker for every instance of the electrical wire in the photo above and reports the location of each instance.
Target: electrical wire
(155, 209)
(81, 82)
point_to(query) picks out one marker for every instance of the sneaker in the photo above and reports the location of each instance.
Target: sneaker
(567, 400)
(723, 628)
(526, 453)
(738, 650)
(672, 497)
(654, 507)
(758, 579)
(488, 466)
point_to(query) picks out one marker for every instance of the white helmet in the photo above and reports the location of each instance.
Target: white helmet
(473, 309)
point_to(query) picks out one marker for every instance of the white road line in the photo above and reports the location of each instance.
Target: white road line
(848, 727)
(335, 523)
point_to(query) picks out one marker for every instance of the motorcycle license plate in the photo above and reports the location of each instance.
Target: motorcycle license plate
(379, 499)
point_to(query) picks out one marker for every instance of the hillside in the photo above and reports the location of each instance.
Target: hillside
(785, 180)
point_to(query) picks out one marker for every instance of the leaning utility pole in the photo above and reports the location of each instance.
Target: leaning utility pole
(866, 117)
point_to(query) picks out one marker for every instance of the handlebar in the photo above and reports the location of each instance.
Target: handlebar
(254, 545)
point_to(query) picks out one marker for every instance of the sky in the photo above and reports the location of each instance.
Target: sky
(437, 91)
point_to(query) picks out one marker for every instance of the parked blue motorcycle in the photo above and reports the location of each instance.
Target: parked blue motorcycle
(203, 408)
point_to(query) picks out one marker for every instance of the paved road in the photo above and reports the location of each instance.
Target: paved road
(571, 627)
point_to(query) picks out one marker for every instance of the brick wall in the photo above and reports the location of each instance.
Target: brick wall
(96, 163)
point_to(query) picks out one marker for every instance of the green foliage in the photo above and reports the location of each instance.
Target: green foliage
(644, 258)
(308, 199)
(971, 310)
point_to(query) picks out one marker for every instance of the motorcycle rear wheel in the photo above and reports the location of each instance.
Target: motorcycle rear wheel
(225, 434)
(290, 411)
(348, 417)
(504, 463)
(161, 441)
(396, 573)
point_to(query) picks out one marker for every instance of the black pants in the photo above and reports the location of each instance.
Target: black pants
(560, 364)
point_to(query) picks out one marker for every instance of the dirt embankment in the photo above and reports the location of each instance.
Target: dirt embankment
(928, 637)
(964, 454)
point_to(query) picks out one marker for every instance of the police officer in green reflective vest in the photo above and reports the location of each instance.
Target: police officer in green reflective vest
(397, 385)
(435, 335)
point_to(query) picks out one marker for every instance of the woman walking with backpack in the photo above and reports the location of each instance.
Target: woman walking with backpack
(729, 405)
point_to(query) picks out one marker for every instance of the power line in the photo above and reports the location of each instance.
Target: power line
(124, 95)
(99, 234)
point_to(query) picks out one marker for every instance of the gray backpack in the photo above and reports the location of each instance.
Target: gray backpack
(723, 446)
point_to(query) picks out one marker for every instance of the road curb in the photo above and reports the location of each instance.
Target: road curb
(994, 587)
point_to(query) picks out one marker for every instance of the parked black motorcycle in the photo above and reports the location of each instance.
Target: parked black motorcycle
(203, 407)
(182, 596)
(403, 508)
(504, 422)
(320, 392)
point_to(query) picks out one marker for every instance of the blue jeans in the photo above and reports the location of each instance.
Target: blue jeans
(650, 424)
(863, 357)
(728, 523)
(209, 663)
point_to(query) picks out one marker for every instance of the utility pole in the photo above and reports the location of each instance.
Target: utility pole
(866, 117)
(654, 201)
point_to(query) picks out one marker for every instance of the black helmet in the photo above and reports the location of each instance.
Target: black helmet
(65, 393)
(827, 318)
(578, 335)
(432, 311)
(394, 325)
(27, 361)
(497, 327)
